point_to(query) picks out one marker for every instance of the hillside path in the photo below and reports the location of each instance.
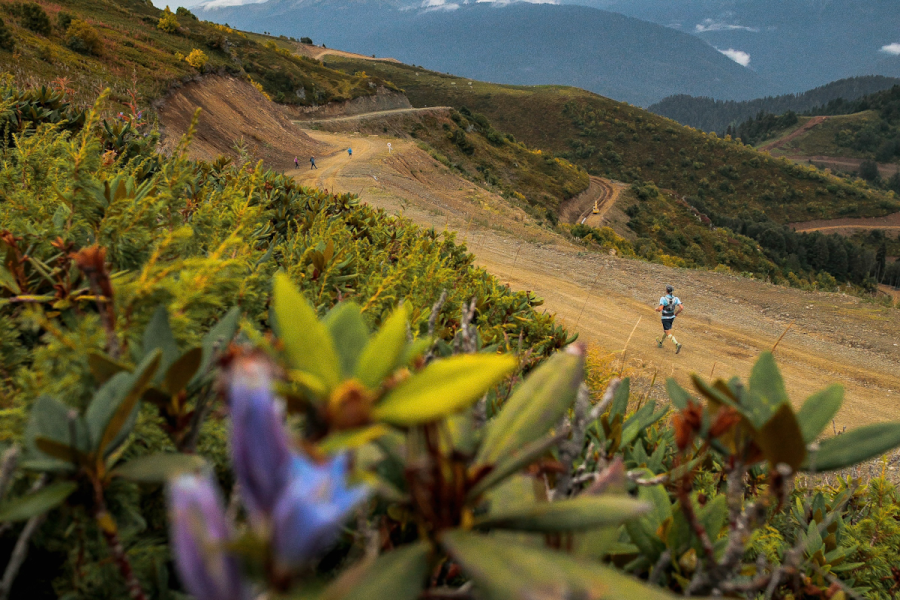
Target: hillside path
(579, 209)
(889, 222)
(793, 135)
(728, 319)
(373, 115)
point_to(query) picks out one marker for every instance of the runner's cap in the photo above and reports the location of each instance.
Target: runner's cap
(669, 289)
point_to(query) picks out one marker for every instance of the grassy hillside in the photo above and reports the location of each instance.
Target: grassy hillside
(709, 114)
(686, 183)
(612, 139)
(95, 44)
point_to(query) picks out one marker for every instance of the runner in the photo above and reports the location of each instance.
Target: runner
(312, 163)
(296, 162)
(350, 152)
(670, 306)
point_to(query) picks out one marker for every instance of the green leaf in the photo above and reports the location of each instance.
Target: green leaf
(307, 342)
(510, 571)
(643, 531)
(414, 350)
(43, 500)
(443, 388)
(350, 334)
(767, 392)
(217, 338)
(678, 395)
(183, 370)
(818, 411)
(396, 575)
(61, 451)
(113, 410)
(780, 439)
(586, 512)
(620, 399)
(382, 354)
(536, 406)
(103, 367)
(713, 516)
(853, 447)
(158, 336)
(50, 419)
(157, 468)
(511, 464)
(640, 421)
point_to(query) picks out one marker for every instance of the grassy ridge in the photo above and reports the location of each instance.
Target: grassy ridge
(134, 51)
(629, 144)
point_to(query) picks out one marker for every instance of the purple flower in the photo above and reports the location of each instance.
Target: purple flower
(311, 511)
(199, 533)
(260, 449)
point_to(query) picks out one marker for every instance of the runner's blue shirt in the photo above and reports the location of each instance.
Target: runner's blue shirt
(664, 301)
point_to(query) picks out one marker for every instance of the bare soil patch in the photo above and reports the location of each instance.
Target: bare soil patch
(232, 109)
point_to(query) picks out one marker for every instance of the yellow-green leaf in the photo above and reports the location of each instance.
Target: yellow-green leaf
(307, 342)
(396, 575)
(443, 388)
(382, 354)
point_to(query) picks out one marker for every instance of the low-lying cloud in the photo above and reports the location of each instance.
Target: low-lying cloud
(893, 49)
(714, 25)
(430, 5)
(225, 3)
(738, 56)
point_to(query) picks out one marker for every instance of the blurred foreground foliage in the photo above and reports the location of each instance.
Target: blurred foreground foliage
(384, 419)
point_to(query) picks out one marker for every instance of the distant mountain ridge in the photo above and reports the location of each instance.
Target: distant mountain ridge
(523, 44)
(716, 115)
(796, 44)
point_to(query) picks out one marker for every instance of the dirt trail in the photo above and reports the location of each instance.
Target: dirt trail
(579, 209)
(373, 115)
(794, 134)
(849, 226)
(844, 163)
(318, 52)
(728, 319)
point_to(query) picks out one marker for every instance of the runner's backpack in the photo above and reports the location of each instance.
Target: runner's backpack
(669, 308)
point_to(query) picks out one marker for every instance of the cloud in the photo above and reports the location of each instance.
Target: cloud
(226, 3)
(738, 56)
(504, 2)
(713, 25)
(891, 49)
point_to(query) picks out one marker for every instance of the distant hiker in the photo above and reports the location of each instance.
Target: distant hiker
(312, 163)
(296, 162)
(670, 307)
(350, 152)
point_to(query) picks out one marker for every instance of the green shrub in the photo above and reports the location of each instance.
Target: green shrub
(63, 20)
(183, 12)
(6, 39)
(83, 38)
(33, 17)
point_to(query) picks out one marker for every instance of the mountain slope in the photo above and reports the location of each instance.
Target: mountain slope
(715, 115)
(525, 44)
(796, 45)
(132, 52)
